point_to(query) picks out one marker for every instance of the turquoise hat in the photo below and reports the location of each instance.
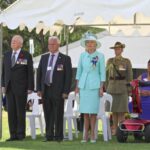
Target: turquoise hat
(88, 36)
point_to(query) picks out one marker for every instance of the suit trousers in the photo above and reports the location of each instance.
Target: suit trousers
(53, 112)
(16, 103)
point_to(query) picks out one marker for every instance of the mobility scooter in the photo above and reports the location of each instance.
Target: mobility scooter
(135, 126)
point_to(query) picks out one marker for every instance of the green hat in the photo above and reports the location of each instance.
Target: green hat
(118, 45)
(88, 36)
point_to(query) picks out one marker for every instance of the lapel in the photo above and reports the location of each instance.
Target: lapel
(45, 62)
(58, 61)
(21, 55)
(9, 59)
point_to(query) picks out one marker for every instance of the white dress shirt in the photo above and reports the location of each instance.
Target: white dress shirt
(53, 65)
(17, 53)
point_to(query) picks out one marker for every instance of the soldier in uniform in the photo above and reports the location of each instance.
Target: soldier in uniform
(118, 73)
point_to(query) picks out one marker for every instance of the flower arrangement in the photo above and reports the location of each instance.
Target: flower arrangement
(94, 61)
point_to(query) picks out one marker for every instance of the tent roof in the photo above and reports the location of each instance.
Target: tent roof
(103, 12)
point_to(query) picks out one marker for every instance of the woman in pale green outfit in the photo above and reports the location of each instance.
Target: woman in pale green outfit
(90, 77)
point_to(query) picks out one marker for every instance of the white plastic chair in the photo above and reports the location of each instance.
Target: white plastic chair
(36, 113)
(70, 116)
(104, 116)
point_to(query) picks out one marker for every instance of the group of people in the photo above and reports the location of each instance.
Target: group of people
(92, 76)
(54, 78)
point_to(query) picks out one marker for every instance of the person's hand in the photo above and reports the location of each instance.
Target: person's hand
(76, 90)
(29, 91)
(39, 93)
(64, 96)
(101, 91)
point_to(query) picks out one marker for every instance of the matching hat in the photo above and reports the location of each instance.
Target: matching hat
(88, 36)
(118, 45)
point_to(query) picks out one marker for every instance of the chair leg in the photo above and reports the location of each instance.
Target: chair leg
(64, 128)
(69, 128)
(108, 129)
(75, 127)
(96, 129)
(104, 126)
(41, 125)
(32, 127)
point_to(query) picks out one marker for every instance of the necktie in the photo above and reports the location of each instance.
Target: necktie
(13, 59)
(48, 73)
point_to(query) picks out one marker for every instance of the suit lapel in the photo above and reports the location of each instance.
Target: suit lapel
(20, 56)
(45, 62)
(9, 59)
(59, 60)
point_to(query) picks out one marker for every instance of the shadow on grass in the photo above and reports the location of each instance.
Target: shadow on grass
(37, 144)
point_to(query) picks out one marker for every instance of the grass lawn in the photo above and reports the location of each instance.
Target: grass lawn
(29, 144)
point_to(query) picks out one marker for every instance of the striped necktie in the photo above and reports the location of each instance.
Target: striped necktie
(48, 73)
(13, 59)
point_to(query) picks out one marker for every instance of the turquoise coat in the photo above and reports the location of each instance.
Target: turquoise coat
(91, 70)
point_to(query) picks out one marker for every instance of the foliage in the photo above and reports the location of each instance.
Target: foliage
(40, 40)
(5, 3)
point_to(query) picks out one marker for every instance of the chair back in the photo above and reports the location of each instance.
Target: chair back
(76, 105)
(105, 104)
(68, 106)
(36, 108)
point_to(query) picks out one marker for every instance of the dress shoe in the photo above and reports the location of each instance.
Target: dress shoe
(48, 140)
(84, 141)
(12, 139)
(58, 139)
(92, 141)
(20, 138)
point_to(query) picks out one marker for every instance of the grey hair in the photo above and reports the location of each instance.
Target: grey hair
(18, 37)
(54, 38)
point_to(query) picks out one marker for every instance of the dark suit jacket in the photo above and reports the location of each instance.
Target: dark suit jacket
(21, 75)
(61, 77)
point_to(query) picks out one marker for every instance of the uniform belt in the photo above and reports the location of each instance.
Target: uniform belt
(117, 78)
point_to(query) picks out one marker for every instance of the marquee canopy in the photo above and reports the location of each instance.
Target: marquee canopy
(116, 15)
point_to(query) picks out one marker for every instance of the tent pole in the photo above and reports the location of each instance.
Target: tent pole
(1, 38)
(67, 39)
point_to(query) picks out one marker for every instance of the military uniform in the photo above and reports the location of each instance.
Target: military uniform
(119, 73)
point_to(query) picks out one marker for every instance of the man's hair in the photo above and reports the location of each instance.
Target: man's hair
(18, 37)
(149, 61)
(54, 38)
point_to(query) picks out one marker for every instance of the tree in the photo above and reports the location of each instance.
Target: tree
(40, 40)
(5, 3)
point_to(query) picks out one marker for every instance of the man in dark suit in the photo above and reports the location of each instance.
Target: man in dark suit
(53, 84)
(17, 82)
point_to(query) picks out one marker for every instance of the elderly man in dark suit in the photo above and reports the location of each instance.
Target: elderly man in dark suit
(53, 84)
(17, 82)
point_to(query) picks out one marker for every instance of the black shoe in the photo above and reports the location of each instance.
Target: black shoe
(11, 139)
(48, 140)
(58, 139)
(20, 138)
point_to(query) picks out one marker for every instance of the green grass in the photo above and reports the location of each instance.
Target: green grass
(29, 144)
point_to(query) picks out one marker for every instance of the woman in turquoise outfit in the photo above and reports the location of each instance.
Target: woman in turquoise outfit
(90, 77)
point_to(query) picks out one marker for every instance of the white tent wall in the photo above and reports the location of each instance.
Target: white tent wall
(137, 49)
